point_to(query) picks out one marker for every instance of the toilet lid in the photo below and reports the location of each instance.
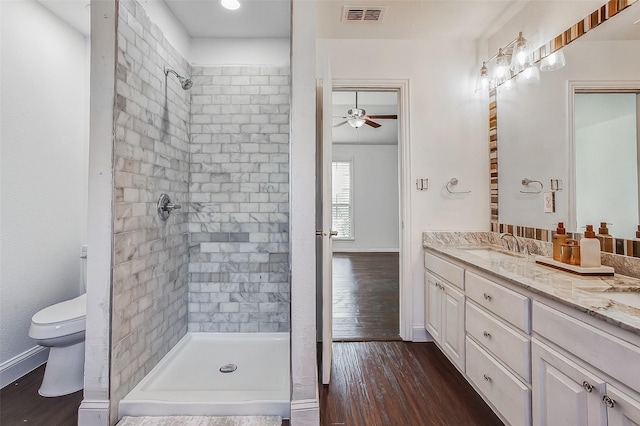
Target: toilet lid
(63, 311)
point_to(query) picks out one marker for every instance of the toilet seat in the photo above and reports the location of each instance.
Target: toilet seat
(61, 319)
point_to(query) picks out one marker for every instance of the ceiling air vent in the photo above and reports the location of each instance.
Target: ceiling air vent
(363, 14)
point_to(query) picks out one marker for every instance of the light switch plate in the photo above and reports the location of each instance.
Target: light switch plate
(549, 202)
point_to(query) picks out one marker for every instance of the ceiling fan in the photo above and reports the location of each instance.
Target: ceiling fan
(357, 117)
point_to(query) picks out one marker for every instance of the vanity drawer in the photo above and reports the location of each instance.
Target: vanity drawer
(447, 270)
(507, 394)
(507, 304)
(611, 355)
(505, 343)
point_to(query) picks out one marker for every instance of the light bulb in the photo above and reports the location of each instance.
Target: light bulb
(230, 4)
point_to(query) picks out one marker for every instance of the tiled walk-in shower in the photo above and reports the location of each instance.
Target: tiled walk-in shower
(221, 150)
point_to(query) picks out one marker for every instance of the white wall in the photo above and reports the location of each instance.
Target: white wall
(248, 51)
(375, 197)
(533, 129)
(448, 132)
(44, 165)
(172, 30)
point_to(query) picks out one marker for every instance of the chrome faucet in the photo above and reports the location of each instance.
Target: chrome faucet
(515, 247)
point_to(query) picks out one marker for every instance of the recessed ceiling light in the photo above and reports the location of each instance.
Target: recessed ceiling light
(230, 4)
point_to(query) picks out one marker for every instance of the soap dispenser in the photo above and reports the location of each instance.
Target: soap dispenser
(606, 240)
(589, 249)
(559, 238)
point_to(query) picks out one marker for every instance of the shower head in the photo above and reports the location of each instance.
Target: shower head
(185, 82)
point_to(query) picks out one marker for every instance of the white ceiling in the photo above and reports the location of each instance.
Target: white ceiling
(254, 19)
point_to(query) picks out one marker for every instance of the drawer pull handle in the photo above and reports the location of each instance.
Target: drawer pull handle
(487, 378)
(588, 387)
(608, 401)
(487, 335)
(486, 296)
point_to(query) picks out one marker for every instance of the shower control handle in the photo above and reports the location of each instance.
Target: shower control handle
(171, 207)
(165, 206)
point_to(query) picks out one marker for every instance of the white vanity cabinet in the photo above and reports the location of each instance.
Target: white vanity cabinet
(564, 392)
(499, 346)
(583, 384)
(444, 308)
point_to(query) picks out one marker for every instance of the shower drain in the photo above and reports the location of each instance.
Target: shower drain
(228, 368)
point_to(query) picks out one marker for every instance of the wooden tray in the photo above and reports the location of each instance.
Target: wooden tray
(575, 269)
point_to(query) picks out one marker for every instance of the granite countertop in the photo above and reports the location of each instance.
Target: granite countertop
(614, 299)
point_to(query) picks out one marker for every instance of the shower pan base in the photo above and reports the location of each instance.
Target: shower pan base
(194, 378)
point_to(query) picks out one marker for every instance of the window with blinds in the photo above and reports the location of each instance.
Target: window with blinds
(342, 199)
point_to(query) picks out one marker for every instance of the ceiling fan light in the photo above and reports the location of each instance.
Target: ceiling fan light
(356, 121)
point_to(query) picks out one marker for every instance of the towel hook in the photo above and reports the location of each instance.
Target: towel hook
(526, 182)
(454, 182)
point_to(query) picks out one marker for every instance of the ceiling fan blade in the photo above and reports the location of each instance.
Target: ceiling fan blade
(372, 123)
(340, 124)
(383, 117)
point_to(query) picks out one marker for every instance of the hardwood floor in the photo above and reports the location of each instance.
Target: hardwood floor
(398, 383)
(20, 404)
(365, 296)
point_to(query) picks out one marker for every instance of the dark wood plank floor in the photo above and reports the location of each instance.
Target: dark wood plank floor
(20, 404)
(365, 296)
(398, 383)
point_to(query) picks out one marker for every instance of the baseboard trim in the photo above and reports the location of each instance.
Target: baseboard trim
(420, 334)
(24, 363)
(305, 412)
(93, 412)
(359, 250)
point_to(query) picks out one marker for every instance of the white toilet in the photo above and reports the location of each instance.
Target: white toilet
(61, 327)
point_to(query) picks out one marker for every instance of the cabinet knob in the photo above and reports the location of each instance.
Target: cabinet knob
(487, 378)
(487, 335)
(486, 296)
(608, 401)
(588, 387)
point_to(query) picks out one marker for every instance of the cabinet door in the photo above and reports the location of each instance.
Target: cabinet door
(563, 392)
(433, 306)
(453, 325)
(625, 410)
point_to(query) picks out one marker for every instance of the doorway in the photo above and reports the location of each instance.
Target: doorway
(366, 213)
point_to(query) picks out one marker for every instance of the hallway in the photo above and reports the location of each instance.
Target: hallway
(365, 296)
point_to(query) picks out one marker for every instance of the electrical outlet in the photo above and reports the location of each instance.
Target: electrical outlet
(549, 202)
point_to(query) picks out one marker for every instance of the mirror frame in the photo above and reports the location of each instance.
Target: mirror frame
(575, 31)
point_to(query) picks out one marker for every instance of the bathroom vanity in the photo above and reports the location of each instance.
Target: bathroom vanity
(541, 346)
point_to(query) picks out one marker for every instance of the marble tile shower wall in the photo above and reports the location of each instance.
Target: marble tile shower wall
(150, 266)
(239, 200)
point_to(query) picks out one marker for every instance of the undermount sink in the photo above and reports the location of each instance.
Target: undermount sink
(492, 253)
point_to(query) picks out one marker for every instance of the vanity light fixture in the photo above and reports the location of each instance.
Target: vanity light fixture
(484, 79)
(230, 4)
(521, 56)
(553, 62)
(515, 59)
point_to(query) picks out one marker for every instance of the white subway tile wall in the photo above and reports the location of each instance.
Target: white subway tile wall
(150, 267)
(239, 200)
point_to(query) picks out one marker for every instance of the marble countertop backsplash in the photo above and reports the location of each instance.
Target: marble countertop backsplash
(598, 296)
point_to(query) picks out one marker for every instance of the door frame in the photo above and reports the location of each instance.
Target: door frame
(404, 190)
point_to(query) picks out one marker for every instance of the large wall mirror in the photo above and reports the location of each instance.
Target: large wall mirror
(579, 125)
